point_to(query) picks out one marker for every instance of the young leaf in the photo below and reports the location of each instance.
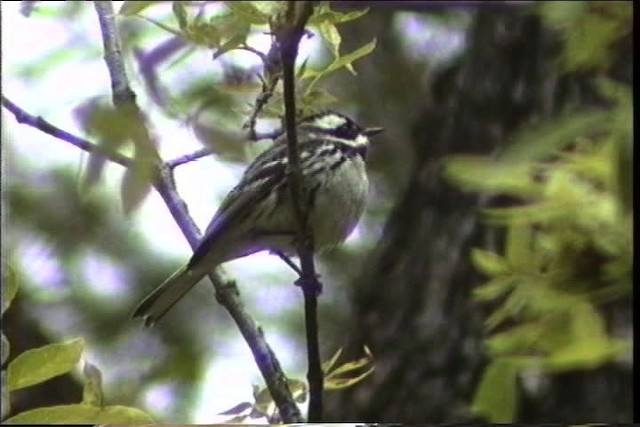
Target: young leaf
(82, 414)
(92, 390)
(334, 383)
(488, 262)
(326, 366)
(340, 62)
(130, 8)
(330, 33)
(245, 11)
(496, 395)
(494, 288)
(551, 136)
(180, 12)
(136, 185)
(318, 97)
(586, 354)
(163, 26)
(230, 44)
(40, 364)
(323, 13)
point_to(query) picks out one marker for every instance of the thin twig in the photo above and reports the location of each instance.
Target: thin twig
(44, 126)
(272, 71)
(196, 155)
(288, 31)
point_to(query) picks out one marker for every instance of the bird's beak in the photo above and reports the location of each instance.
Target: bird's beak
(372, 131)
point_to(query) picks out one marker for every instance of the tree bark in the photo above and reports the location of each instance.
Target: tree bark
(413, 305)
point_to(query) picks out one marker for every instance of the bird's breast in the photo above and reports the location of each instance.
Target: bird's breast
(339, 202)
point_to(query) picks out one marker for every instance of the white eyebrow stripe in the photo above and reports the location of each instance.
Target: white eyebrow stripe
(359, 141)
(329, 121)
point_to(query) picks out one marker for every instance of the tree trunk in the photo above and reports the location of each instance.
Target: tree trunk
(413, 306)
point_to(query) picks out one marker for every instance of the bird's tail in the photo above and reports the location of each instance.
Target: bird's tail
(165, 296)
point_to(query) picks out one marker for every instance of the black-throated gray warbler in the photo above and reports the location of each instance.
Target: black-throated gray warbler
(258, 214)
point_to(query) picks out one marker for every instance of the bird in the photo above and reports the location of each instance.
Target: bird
(258, 213)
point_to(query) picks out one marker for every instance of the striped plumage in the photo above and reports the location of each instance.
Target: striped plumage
(258, 215)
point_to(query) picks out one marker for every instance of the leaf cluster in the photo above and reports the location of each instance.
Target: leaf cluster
(590, 30)
(38, 365)
(568, 248)
(231, 28)
(335, 378)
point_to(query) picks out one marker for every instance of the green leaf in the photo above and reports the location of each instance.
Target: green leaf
(324, 14)
(340, 62)
(551, 136)
(586, 354)
(528, 214)
(623, 168)
(5, 349)
(92, 391)
(332, 379)
(479, 173)
(82, 414)
(587, 323)
(330, 33)
(326, 366)
(318, 97)
(488, 263)
(180, 12)
(496, 396)
(230, 44)
(135, 187)
(9, 285)
(298, 389)
(163, 26)
(40, 364)
(335, 383)
(245, 11)
(494, 288)
(130, 8)
(518, 248)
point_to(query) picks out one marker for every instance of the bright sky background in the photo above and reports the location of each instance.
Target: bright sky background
(56, 93)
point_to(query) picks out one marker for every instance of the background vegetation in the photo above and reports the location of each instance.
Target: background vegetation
(491, 274)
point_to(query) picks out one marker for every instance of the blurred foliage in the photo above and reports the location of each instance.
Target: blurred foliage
(38, 365)
(72, 220)
(75, 231)
(590, 31)
(230, 29)
(335, 378)
(568, 249)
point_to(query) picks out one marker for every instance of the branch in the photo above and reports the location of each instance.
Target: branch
(41, 124)
(272, 66)
(226, 291)
(203, 152)
(288, 30)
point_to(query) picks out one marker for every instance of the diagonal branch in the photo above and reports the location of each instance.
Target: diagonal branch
(41, 124)
(226, 292)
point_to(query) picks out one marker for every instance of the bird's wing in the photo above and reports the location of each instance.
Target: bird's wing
(257, 183)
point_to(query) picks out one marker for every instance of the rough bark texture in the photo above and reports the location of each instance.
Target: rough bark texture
(413, 305)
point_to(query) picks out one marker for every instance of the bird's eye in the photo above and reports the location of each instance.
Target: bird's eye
(348, 130)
